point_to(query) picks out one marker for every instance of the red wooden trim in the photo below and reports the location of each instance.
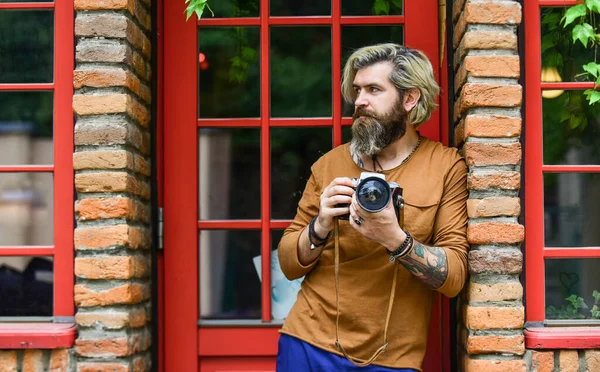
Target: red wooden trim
(229, 123)
(533, 160)
(235, 341)
(37, 335)
(12, 6)
(568, 85)
(336, 60)
(419, 21)
(28, 251)
(301, 122)
(265, 160)
(559, 2)
(230, 225)
(228, 22)
(579, 252)
(346, 122)
(379, 20)
(181, 189)
(29, 168)
(570, 168)
(562, 338)
(41, 86)
(64, 21)
(280, 224)
(303, 21)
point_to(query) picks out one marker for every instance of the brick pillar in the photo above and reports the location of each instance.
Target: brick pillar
(112, 163)
(488, 128)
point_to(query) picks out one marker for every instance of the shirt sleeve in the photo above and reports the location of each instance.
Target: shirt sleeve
(308, 207)
(450, 228)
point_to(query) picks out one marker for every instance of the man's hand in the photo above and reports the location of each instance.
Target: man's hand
(339, 191)
(381, 227)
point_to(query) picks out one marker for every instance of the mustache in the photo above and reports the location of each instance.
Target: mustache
(361, 111)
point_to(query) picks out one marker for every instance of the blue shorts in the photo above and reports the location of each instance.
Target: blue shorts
(295, 355)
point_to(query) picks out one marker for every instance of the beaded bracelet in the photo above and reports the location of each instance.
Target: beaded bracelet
(312, 233)
(404, 248)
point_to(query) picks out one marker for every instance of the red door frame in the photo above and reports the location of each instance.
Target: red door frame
(184, 341)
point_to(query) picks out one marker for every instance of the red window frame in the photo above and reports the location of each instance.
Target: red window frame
(185, 343)
(536, 253)
(52, 335)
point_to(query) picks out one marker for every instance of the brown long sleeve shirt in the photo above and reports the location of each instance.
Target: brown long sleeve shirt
(434, 187)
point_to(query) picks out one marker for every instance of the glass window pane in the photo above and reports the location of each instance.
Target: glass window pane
(355, 37)
(27, 283)
(562, 59)
(572, 290)
(229, 173)
(300, 8)
(229, 72)
(233, 8)
(346, 134)
(293, 151)
(26, 209)
(26, 128)
(229, 282)
(375, 7)
(571, 129)
(572, 209)
(283, 291)
(26, 46)
(301, 71)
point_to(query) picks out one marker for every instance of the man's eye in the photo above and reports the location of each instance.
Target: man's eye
(374, 90)
(357, 90)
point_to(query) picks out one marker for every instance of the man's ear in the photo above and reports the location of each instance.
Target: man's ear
(411, 98)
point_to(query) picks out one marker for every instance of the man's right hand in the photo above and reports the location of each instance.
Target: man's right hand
(339, 191)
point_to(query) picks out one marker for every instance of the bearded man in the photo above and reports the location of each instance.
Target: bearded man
(368, 290)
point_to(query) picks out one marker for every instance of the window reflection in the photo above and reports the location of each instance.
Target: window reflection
(26, 46)
(572, 209)
(301, 71)
(572, 290)
(372, 7)
(300, 8)
(229, 173)
(571, 130)
(234, 8)
(229, 281)
(27, 282)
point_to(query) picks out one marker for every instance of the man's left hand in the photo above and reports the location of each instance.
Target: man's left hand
(381, 227)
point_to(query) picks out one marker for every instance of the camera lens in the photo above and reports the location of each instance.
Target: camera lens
(373, 194)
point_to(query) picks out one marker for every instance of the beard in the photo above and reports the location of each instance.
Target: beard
(371, 133)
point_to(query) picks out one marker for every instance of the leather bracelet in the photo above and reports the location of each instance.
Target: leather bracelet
(404, 248)
(312, 234)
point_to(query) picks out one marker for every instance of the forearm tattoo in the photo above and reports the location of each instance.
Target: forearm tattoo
(429, 264)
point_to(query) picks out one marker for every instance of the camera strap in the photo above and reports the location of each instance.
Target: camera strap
(378, 352)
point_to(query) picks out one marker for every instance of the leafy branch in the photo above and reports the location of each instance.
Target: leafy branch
(197, 6)
(574, 307)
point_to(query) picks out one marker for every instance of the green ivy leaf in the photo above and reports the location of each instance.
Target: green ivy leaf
(593, 68)
(573, 13)
(548, 41)
(381, 7)
(592, 95)
(551, 20)
(397, 3)
(564, 116)
(197, 6)
(596, 296)
(593, 5)
(583, 33)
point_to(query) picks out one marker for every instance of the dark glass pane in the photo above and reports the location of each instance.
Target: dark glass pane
(346, 134)
(229, 281)
(26, 209)
(229, 173)
(229, 72)
(300, 8)
(233, 8)
(293, 151)
(26, 286)
(300, 71)
(572, 290)
(562, 59)
(572, 209)
(26, 128)
(571, 129)
(26, 46)
(372, 7)
(283, 291)
(355, 37)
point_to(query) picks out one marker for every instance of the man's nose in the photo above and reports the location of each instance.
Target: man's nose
(361, 100)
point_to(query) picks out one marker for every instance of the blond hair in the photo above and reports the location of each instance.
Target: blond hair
(412, 69)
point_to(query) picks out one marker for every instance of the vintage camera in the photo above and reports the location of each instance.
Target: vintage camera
(374, 193)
